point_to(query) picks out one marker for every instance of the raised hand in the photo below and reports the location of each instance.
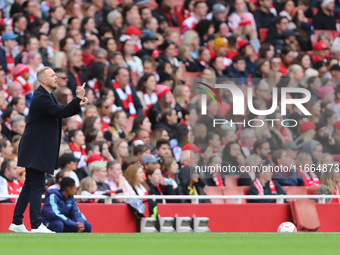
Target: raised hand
(84, 101)
(80, 92)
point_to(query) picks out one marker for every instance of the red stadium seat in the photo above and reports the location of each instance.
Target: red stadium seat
(311, 190)
(231, 181)
(336, 157)
(187, 76)
(214, 191)
(294, 190)
(305, 215)
(263, 34)
(243, 190)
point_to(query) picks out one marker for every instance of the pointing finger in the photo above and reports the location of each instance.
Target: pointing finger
(83, 85)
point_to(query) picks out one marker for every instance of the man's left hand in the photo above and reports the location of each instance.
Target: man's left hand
(84, 101)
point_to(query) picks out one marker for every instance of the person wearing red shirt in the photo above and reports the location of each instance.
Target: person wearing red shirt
(320, 52)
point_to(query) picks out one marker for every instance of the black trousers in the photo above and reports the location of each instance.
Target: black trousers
(31, 192)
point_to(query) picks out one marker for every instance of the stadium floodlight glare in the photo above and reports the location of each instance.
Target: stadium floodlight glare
(183, 224)
(201, 224)
(166, 224)
(147, 225)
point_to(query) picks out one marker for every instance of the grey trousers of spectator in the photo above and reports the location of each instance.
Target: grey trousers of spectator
(31, 192)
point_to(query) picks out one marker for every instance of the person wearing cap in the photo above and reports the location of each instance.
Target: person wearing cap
(329, 144)
(326, 94)
(148, 47)
(200, 12)
(324, 19)
(21, 75)
(149, 160)
(164, 10)
(306, 30)
(115, 21)
(320, 52)
(221, 48)
(165, 100)
(307, 130)
(68, 162)
(9, 44)
(235, 17)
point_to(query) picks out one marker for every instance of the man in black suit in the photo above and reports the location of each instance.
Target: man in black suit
(39, 146)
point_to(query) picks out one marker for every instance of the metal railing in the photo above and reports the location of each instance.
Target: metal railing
(195, 199)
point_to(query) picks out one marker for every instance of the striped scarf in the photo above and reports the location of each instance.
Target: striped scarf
(126, 98)
(150, 100)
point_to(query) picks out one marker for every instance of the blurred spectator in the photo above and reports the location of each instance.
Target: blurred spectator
(8, 180)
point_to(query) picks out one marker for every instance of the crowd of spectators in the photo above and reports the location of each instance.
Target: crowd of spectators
(143, 131)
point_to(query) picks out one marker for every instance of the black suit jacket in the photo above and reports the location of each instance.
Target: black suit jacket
(72, 83)
(39, 145)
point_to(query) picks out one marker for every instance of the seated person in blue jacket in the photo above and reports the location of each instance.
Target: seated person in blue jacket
(264, 185)
(60, 212)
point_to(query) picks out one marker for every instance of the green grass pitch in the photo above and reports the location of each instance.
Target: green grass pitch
(173, 243)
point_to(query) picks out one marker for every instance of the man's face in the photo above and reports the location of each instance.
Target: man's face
(144, 136)
(284, 160)
(115, 171)
(164, 150)
(101, 57)
(323, 132)
(62, 79)
(50, 79)
(15, 90)
(201, 9)
(123, 78)
(150, 45)
(292, 153)
(266, 3)
(263, 92)
(10, 44)
(71, 191)
(21, 24)
(8, 150)
(240, 65)
(216, 142)
(12, 173)
(59, 13)
(264, 151)
(20, 127)
(250, 141)
(283, 25)
(31, 7)
(219, 64)
(43, 41)
(33, 45)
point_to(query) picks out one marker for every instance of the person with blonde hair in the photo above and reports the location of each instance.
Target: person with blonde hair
(59, 60)
(330, 183)
(182, 95)
(120, 150)
(57, 34)
(305, 166)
